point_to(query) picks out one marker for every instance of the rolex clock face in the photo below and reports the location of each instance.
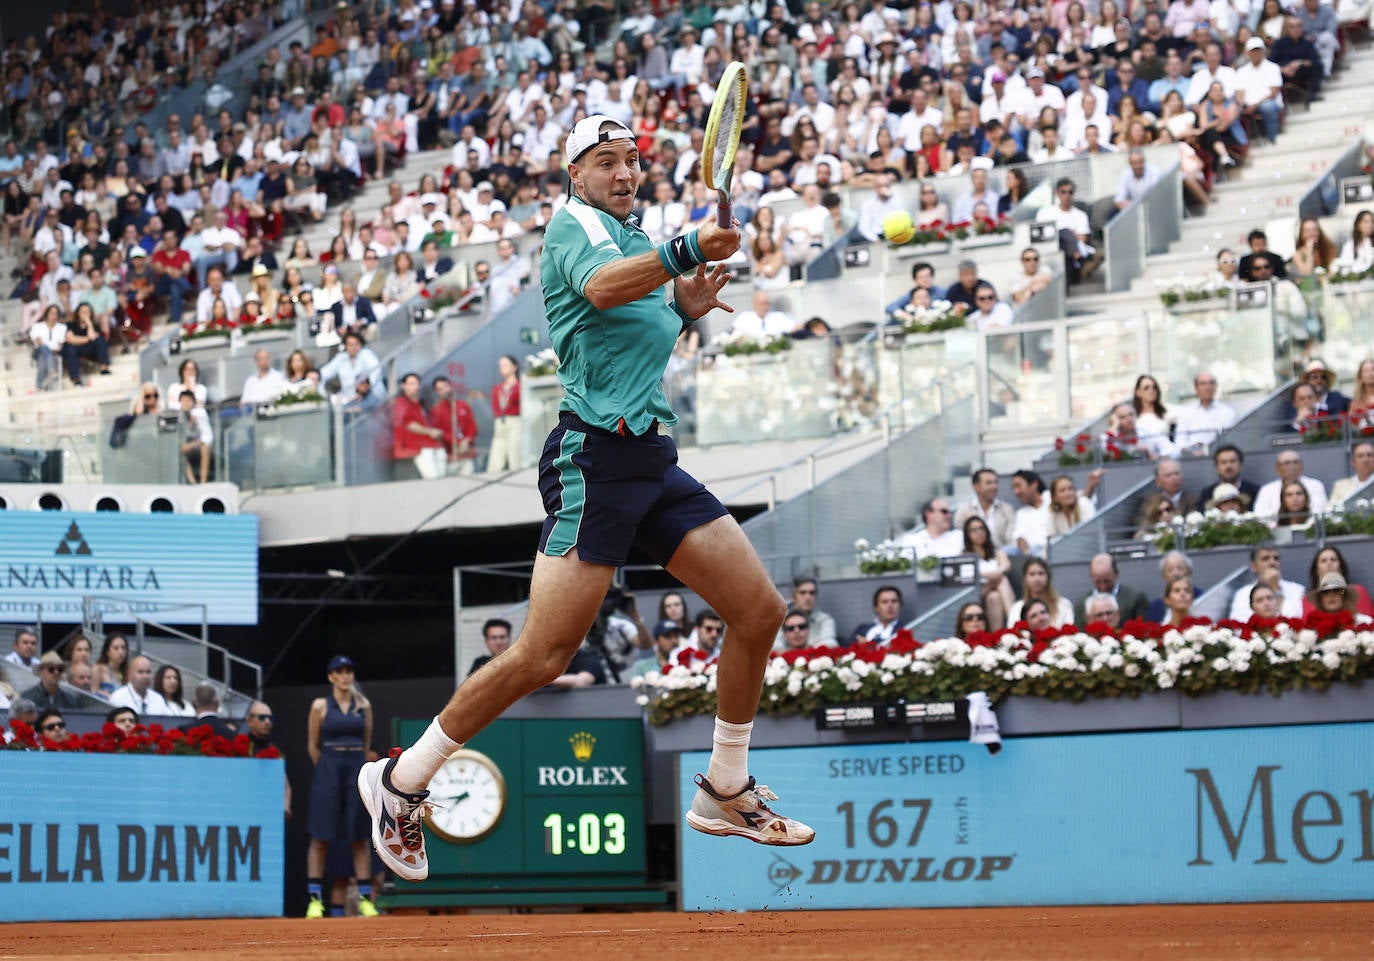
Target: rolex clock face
(472, 793)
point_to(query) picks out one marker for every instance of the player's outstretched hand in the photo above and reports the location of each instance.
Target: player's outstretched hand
(718, 243)
(697, 294)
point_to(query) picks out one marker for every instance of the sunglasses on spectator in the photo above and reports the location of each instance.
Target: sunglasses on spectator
(794, 627)
(1227, 261)
(261, 717)
(974, 617)
(55, 726)
(983, 299)
(53, 668)
(708, 629)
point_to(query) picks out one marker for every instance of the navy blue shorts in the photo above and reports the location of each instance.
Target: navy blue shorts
(605, 493)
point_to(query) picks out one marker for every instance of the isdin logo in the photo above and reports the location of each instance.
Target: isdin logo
(582, 744)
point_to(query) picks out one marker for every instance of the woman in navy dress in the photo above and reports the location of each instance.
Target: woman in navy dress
(340, 731)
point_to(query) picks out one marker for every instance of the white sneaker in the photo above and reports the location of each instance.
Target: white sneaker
(745, 815)
(397, 832)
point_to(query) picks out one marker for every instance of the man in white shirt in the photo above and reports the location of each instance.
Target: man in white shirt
(1264, 561)
(1362, 463)
(220, 244)
(1034, 98)
(876, 207)
(937, 538)
(1031, 531)
(509, 271)
(989, 312)
(688, 60)
(1259, 86)
(24, 649)
(350, 365)
(822, 114)
(920, 116)
(469, 141)
(665, 217)
(762, 320)
(1212, 70)
(1135, 181)
(541, 136)
(1202, 421)
(1074, 230)
(263, 385)
(1288, 465)
(138, 693)
(806, 227)
(215, 288)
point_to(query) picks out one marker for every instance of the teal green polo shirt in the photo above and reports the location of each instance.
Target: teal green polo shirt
(611, 362)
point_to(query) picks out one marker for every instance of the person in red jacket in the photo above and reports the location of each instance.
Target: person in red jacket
(411, 436)
(453, 418)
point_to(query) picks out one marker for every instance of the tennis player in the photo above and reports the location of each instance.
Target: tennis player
(609, 479)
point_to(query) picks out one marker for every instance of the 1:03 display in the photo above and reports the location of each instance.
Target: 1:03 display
(584, 834)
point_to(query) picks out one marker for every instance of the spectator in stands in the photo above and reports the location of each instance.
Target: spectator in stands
(1037, 584)
(1313, 249)
(51, 727)
(989, 313)
(353, 312)
(937, 538)
(124, 718)
(48, 694)
(1362, 463)
(1298, 58)
(1037, 616)
(1069, 507)
(1155, 509)
(805, 593)
(1101, 608)
(265, 384)
(993, 568)
(1152, 419)
(1320, 377)
(1169, 481)
(887, 617)
(1259, 84)
(1260, 253)
(81, 677)
(1229, 461)
(1034, 277)
(207, 704)
(84, 340)
(1305, 415)
(971, 618)
(1178, 601)
(496, 634)
(454, 419)
(216, 289)
(1106, 578)
(1326, 562)
(1136, 180)
(505, 452)
(432, 266)
(998, 515)
(877, 206)
(1333, 594)
(412, 437)
(1226, 275)
(49, 338)
(1122, 434)
(1295, 507)
(704, 642)
(673, 607)
(1031, 528)
(980, 192)
(1357, 253)
(1228, 499)
(111, 669)
(138, 693)
(1074, 232)
(668, 637)
(1201, 422)
(930, 209)
(1264, 562)
(795, 632)
(167, 682)
(965, 290)
(350, 365)
(1288, 465)
(197, 439)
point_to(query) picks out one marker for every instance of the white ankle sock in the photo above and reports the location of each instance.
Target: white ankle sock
(419, 762)
(728, 771)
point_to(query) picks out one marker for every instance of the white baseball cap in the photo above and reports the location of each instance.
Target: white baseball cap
(1255, 43)
(590, 131)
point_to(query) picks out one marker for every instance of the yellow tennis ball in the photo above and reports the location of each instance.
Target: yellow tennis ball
(898, 227)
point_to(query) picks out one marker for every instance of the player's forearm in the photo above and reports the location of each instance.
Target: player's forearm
(624, 281)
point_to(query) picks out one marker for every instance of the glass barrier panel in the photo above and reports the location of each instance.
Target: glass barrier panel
(149, 452)
(1347, 313)
(1104, 360)
(367, 448)
(1023, 379)
(782, 396)
(1184, 341)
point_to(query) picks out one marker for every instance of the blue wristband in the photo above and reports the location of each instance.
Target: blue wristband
(687, 320)
(682, 254)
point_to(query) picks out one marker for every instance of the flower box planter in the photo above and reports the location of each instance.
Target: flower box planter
(934, 249)
(986, 240)
(262, 336)
(205, 343)
(1198, 306)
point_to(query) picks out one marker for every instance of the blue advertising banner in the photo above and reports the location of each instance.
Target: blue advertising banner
(122, 836)
(1255, 814)
(49, 560)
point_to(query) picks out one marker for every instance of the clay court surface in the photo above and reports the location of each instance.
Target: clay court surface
(1310, 932)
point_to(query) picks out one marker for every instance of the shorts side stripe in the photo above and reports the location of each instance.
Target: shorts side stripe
(568, 518)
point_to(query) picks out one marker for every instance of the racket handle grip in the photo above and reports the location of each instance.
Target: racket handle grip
(724, 218)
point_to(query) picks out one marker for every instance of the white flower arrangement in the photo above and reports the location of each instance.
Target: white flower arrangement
(1213, 528)
(541, 364)
(884, 557)
(1065, 664)
(1181, 289)
(303, 393)
(737, 343)
(940, 315)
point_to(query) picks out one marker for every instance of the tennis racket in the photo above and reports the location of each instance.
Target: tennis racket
(723, 126)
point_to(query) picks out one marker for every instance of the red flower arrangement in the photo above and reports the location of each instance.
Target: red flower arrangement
(1080, 453)
(153, 739)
